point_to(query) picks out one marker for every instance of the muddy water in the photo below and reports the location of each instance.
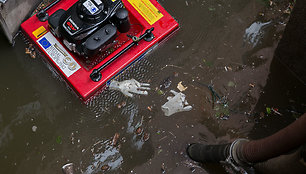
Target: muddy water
(228, 44)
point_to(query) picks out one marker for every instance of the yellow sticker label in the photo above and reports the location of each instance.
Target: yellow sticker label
(39, 32)
(147, 10)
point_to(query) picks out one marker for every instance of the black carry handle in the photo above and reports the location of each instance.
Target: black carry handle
(148, 36)
(42, 15)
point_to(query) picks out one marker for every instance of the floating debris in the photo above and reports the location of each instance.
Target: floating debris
(275, 110)
(59, 140)
(150, 108)
(139, 131)
(130, 87)
(166, 83)
(175, 104)
(163, 168)
(30, 50)
(68, 168)
(115, 139)
(159, 92)
(181, 87)
(34, 128)
(268, 110)
(289, 9)
(145, 137)
(122, 104)
(105, 167)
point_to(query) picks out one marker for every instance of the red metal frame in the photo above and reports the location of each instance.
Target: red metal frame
(80, 81)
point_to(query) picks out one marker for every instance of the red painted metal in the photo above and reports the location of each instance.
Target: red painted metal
(80, 81)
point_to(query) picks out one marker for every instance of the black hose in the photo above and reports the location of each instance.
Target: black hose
(208, 153)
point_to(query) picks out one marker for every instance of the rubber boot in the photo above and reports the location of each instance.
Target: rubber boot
(208, 153)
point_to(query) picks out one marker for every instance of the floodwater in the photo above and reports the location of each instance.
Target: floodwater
(226, 43)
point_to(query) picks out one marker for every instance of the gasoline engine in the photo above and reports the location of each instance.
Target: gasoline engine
(89, 26)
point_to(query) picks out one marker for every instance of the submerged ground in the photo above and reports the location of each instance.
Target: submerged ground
(225, 43)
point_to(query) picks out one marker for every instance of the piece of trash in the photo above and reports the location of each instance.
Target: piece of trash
(224, 117)
(230, 84)
(59, 140)
(139, 131)
(145, 137)
(251, 85)
(115, 139)
(128, 87)
(27, 51)
(122, 104)
(227, 68)
(159, 151)
(34, 128)
(175, 104)
(268, 110)
(149, 108)
(33, 54)
(31, 51)
(163, 168)
(68, 168)
(165, 83)
(105, 167)
(275, 110)
(181, 87)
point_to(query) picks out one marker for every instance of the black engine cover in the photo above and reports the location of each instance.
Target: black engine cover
(88, 25)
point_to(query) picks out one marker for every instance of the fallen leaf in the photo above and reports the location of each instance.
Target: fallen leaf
(211, 8)
(230, 84)
(160, 92)
(59, 140)
(268, 110)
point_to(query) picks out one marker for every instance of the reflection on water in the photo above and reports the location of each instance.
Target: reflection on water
(104, 154)
(27, 110)
(255, 32)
